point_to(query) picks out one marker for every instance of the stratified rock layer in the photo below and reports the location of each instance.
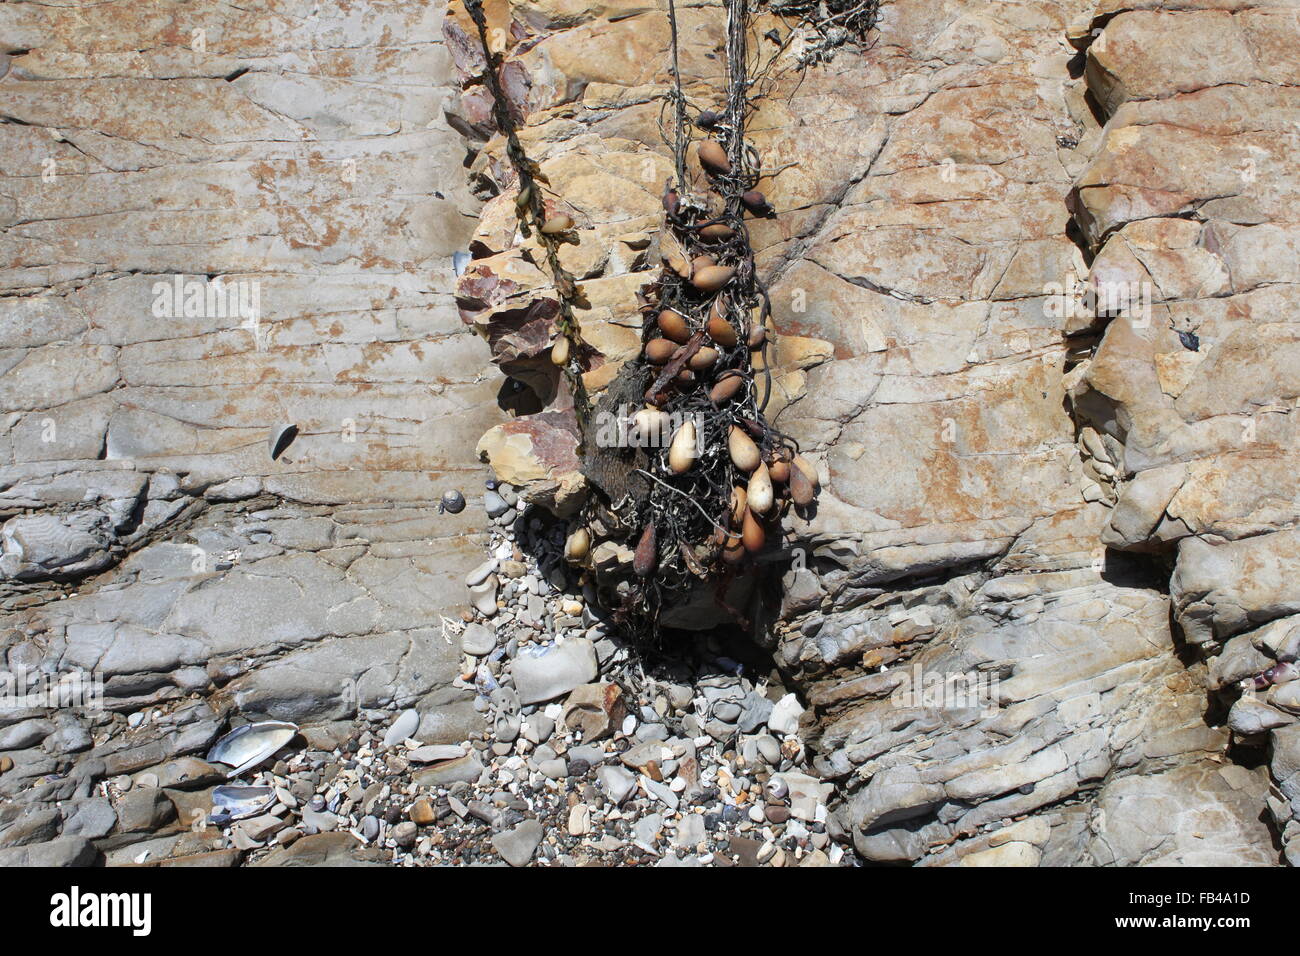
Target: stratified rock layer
(1020, 491)
(301, 157)
(1011, 470)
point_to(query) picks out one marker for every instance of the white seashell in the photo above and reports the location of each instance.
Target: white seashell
(247, 746)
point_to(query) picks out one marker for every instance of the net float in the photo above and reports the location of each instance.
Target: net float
(733, 552)
(779, 471)
(685, 377)
(716, 232)
(577, 545)
(759, 490)
(682, 454)
(807, 467)
(703, 359)
(659, 351)
(674, 326)
(752, 534)
(557, 224)
(755, 202)
(739, 505)
(728, 385)
(720, 330)
(651, 426)
(744, 453)
(714, 158)
(643, 559)
(708, 119)
(801, 489)
(560, 351)
(757, 336)
(712, 278)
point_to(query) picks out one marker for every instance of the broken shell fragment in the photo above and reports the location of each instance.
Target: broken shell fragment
(560, 351)
(714, 158)
(643, 559)
(752, 536)
(557, 224)
(744, 453)
(703, 359)
(577, 545)
(282, 437)
(728, 385)
(247, 746)
(231, 803)
(672, 325)
(682, 454)
(759, 490)
(659, 351)
(712, 278)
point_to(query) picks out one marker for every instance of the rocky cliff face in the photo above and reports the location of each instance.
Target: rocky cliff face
(1030, 272)
(300, 159)
(1027, 271)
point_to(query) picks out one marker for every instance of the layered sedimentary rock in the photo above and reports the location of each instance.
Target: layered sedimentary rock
(292, 173)
(1030, 271)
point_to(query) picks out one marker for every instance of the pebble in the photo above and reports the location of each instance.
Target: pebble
(478, 639)
(6, 764)
(422, 812)
(579, 819)
(646, 831)
(481, 573)
(785, 715)
(484, 596)
(555, 672)
(494, 504)
(434, 753)
(403, 726)
(370, 828)
(660, 792)
(726, 711)
(617, 783)
(553, 769)
(518, 845)
(404, 834)
(453, 501)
